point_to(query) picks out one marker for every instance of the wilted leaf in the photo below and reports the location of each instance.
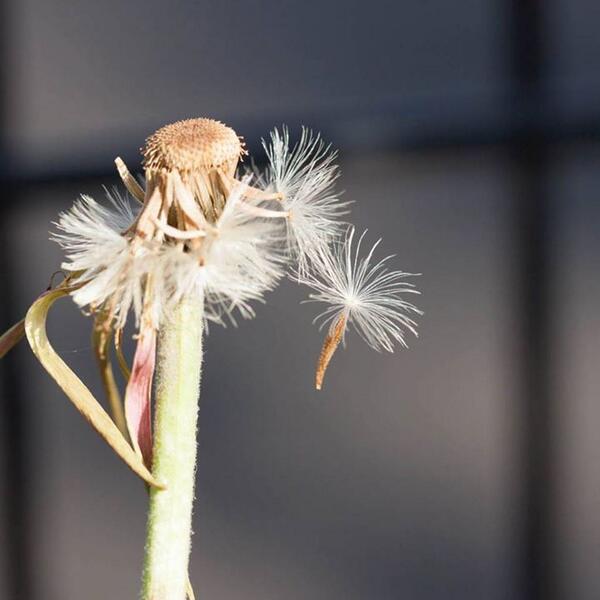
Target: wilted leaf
(76, 391)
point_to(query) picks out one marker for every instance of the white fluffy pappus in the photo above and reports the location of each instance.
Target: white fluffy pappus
(96, 249)
(238, 260)
(361, 292)
(305, 174)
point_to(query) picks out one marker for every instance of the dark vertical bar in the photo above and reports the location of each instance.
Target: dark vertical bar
(14, 446)
(15, 449)
(530, 156)
(539, 562)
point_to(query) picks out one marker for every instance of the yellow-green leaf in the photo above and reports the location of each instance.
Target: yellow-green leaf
(73, 387)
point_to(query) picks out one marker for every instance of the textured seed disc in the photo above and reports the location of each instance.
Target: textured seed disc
(192, 145)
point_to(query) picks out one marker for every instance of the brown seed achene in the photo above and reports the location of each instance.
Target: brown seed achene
(332, 341)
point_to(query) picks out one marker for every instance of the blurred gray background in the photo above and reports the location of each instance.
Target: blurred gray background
(464, 468)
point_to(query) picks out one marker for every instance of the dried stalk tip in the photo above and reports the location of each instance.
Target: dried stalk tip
(332, 341)
(192, 145)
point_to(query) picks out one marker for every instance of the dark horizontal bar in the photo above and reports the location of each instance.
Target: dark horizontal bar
(394, 125)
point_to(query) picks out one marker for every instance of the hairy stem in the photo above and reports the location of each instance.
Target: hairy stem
(178, 371)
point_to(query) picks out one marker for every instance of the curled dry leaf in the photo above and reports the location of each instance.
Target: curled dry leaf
(73, 387)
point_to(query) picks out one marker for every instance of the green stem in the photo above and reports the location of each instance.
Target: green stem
(169, 531)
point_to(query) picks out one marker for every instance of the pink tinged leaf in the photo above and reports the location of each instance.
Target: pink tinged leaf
(138, 394)
(9, 339)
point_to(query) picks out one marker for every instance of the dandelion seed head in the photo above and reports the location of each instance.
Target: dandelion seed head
(202, 234)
